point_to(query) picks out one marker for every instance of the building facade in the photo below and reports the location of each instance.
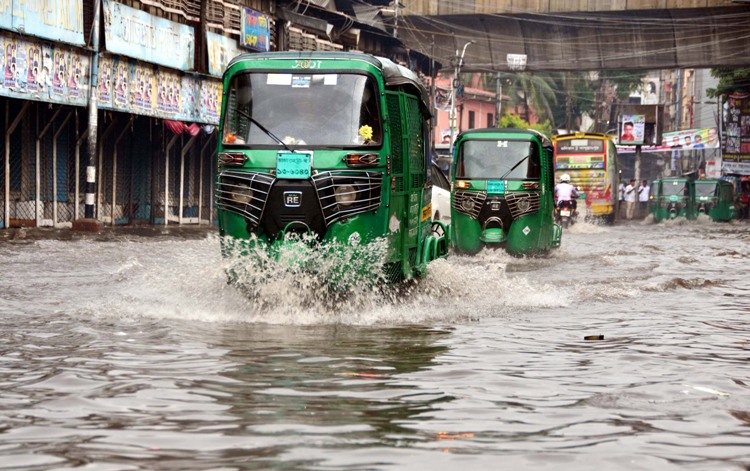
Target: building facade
(77, 69)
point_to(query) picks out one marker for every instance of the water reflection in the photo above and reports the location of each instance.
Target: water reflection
(140, 356)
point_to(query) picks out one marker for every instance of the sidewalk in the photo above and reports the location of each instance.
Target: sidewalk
(108, 233)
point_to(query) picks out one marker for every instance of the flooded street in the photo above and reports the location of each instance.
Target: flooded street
(132, 353)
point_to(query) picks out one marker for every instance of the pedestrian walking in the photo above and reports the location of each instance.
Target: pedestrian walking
(630, 199)
(643, 191)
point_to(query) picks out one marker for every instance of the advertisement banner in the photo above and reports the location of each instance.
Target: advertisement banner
(221, 50)
(255, 31)
(737, 129)
(633, 128)
(136, 34)
(61, 20)
(131, 86)
(43, 71)
(700, 138)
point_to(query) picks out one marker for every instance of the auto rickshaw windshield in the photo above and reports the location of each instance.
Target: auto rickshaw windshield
(302, 109)
(674, 189)
(498, 159)
(705, 189)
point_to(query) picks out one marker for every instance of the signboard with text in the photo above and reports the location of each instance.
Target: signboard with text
(255, 31)
(137, 34)
(61, 20)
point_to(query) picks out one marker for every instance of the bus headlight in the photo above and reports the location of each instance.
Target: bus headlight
(345, 195)
(242, 193)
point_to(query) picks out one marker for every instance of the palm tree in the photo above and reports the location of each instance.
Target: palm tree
(535, 91)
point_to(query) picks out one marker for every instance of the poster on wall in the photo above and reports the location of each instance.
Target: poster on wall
(737, 128)
(38, 70)
(141, 88)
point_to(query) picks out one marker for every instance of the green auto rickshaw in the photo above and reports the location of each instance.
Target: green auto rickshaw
(331, 148)
(715, 198)
(671, 198)
(503, 192)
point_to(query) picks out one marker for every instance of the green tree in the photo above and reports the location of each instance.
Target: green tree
(509, 120)
(730, 81)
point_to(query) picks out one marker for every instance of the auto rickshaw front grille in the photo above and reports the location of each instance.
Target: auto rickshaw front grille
(521, 204)
(233, 188)
(469, 202)
(367, 192)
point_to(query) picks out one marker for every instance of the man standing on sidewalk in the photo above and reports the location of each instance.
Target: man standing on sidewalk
(643, 191)
(630, 199)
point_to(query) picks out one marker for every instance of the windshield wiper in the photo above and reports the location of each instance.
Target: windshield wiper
(513, 168)
(262, 128)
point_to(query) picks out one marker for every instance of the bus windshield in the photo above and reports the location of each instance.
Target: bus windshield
(302, 109)
(498, 159)
(580, 154)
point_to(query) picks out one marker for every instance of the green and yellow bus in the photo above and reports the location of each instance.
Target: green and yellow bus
(591, 161)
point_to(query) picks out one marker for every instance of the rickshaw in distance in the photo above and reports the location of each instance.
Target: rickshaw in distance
(671, 198)
(715, 198)
(330, 147)
(503, 192)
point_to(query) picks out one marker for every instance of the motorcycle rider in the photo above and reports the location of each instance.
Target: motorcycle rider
(564, 191)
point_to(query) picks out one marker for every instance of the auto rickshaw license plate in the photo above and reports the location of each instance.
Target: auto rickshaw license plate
(496, 187)
(293, 165)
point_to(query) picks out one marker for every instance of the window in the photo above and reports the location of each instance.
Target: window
(302, 109)
(491, 120)
(498, 160)
(471, 120)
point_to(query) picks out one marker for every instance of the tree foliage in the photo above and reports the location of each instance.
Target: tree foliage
(730, 81)
(514, 121)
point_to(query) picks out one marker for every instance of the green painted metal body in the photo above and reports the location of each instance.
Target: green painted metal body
(671, 198)
(500, 198)
(715, 198)
(331, 181)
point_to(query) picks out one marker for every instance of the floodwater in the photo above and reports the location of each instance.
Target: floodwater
(625, 349)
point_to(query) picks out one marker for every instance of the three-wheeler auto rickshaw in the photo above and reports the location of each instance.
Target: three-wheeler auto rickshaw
(715, 198)
(671, 198)
(329, 147)
(503, 192)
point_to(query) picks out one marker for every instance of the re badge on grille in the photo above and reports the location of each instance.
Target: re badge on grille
(292, 199)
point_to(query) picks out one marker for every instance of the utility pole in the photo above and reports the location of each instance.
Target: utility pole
(89, 208)
(498, 99)
(454, 87)
(395, 18)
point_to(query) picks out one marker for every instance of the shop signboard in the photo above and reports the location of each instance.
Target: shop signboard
(136, 34)
(61, 20)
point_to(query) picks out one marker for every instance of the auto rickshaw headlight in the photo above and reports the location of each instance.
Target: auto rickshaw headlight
(242, 193)
(345, 195)
(524, 204)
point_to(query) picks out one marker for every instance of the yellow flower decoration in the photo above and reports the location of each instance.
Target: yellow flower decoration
(365, 132)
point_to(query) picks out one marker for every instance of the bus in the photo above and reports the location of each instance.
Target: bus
(591, 161)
